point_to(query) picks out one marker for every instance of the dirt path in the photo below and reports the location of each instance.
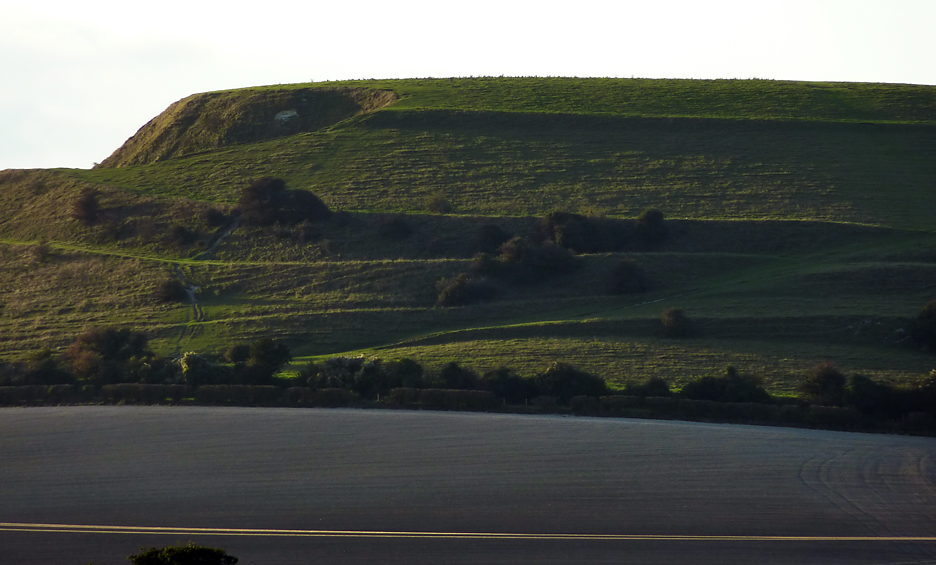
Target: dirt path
(197, 313)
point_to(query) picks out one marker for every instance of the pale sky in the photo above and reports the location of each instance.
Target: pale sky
(78, 78)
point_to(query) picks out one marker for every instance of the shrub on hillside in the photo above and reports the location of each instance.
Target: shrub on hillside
(454, 376)
(528, 262)
(732, 387)
(923, 328)
(237, 353)
(171, 289)
(404, 373)
(182, 236)
(650, 226)
(268, 357)
(197, 370)
(877, 399)
(42, 368)
(675, 323)
(625, 278)
(572, 231)
(214, 218)
(366, 377)
(488, 239)
(564, 381)
(438, 203)
(824, 384)
(654, 386)
(507, 384)
(85, 208)
(266, 201)
(189, 554)
(306, 232)
(102, 355)
(462, 290)
(921, 396)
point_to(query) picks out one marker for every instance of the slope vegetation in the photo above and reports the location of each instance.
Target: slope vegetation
(797, 225)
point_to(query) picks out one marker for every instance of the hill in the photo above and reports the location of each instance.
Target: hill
(797, 225)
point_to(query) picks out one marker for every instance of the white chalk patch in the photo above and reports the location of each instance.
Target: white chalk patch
(285, 115)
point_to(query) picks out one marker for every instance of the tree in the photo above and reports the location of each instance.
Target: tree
(824, 384)
(268, 355)
(507, 384)
(189, 554)
(650, 226)
(572, 231)
(100, 355)
(675, 323)
(565, 381)
(732, 387)
(455, 376)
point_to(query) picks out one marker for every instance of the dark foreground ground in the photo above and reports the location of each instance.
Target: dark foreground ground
(438, 473)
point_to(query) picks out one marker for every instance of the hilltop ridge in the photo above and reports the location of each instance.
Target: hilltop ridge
(216, 119)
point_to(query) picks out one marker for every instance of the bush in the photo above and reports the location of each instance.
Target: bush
(565, 381)
(824, 384)
(260, 201)
(650, 226)
(366, 377)
(189, 554)
(488, 239)
(875, 399)
(110, 344)
(214, 218)
(267, 358)
(302, 206)
(196, 370)
(572, 231)
(43, 368)
(462, 290)
(454, 376)
(675, 323)
(625, 278)
(237, 353)
(732, 387)
(437, 203)
(172, 290)
(508, 385)
(654, 386)
(306, 232)
(85, 208)
(404, 373)
(181, 235)
(528, 262)
(266, 201)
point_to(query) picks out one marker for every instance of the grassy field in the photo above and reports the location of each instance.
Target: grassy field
(798, 219)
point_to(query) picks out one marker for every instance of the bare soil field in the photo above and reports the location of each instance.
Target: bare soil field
(541, 489)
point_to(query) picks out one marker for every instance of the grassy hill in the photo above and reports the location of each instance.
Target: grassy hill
(798, 225)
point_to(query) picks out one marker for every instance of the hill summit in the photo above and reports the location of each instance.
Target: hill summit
(211, 120)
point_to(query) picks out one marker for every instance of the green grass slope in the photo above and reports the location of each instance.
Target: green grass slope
(798, 218)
